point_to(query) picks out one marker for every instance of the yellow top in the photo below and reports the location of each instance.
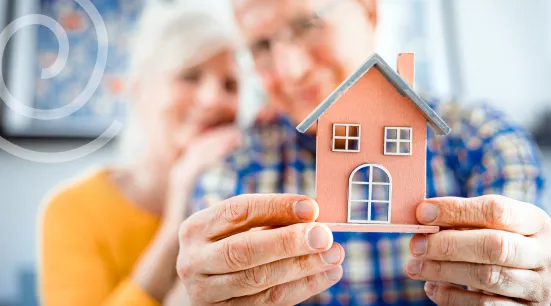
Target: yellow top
(92, 237)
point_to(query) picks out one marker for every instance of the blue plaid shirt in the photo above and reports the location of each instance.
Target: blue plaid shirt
(484, 154)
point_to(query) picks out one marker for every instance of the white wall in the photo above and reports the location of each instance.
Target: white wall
(23, 185)
(504, 54)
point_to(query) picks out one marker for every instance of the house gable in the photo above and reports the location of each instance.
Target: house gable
(375, 61)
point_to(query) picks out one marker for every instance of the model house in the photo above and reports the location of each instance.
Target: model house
(371, 149)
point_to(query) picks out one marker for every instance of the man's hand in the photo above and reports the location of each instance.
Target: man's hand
(504, 257)
(222, 262)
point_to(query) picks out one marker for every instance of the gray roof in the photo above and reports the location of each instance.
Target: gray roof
(395, 79)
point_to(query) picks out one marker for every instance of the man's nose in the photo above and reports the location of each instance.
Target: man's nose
(292, 61)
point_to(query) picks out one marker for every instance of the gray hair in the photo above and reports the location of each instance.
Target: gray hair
(168, 38)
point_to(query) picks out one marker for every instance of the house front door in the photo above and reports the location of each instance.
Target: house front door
(369, 194)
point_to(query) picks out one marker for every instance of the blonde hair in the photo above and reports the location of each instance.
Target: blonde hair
(169, 37)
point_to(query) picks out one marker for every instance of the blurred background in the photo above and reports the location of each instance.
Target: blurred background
(472, 51)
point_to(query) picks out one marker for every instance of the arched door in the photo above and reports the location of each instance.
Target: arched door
(369, 194)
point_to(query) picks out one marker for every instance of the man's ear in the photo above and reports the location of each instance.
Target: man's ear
(371, 9)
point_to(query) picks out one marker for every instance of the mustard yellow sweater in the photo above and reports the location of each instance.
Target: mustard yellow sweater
(91, 238)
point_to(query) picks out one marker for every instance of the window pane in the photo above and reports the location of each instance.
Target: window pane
(361, 175)
(358, 211)
(379, 211)
(392, 134)
(340, 130)
(353, 144)
(391, 147)
(353, 131)
(359, 192)
(380, 176)
(405, 134)
(405, 148)
(380, 192)
(340, 144)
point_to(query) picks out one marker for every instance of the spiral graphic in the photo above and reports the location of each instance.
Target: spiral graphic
(52, 71)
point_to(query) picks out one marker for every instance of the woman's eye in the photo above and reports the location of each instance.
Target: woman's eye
(191, 76)
(230, 85)
(262, 46)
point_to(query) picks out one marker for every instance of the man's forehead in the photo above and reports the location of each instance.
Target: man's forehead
(255, 13)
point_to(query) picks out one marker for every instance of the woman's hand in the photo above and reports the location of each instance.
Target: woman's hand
(504, 260)
(202, 152)
(222, 262)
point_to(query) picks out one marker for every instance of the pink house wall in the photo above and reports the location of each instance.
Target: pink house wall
(374, 103)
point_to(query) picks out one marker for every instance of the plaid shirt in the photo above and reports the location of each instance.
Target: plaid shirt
(484, 154)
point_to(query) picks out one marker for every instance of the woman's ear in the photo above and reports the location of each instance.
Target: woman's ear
(371, 9)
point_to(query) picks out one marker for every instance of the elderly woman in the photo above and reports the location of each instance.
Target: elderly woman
(110, 238)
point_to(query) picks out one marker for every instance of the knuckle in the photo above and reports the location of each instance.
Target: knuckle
(184, 232)
(437, 268)
(490, 276)
(496, 212)
(302, 264)
(287, 241)
(448, 246)
(312, 283)
(237, 253)
(255, 277)
(496, 248)
(234, 210)
(446, 296)
(275, 295)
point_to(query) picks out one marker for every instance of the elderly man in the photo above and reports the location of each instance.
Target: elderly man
(302, 51)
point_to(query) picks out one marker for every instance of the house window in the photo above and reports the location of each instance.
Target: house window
(398, 140)
(346, 137)
(369, 195)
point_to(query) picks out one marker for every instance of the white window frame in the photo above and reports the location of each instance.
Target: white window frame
(346, 138)
(398, 140)
(370, 201)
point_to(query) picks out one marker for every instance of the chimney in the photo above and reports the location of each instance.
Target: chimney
(406, 67)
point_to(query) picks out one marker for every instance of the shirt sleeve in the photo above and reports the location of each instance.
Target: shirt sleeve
(73, 269)
(497, 156)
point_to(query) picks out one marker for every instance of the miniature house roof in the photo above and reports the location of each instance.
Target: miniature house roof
(395, 79)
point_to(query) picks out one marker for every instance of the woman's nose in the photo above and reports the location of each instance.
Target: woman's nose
(209, 93)
(292, 61)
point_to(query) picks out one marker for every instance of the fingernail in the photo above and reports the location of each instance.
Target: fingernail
(414, 265)
(332, 256)
(334, 274)
(419, 245)
(320, 238)
(430, 287)
(429, 212)
(305, 210)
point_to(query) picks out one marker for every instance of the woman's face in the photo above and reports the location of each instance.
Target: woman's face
(301, 58)
(176, 108)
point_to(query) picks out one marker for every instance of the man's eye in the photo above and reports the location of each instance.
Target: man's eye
(230, 85)
(262, 46)
(304, 25)
(191, 76)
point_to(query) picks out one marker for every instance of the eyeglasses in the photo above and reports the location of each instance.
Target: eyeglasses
(305, 31)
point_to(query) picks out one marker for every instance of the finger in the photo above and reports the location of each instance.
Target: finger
(509, 282)
(491, 211)
(449, 295)
(480, 246)
(260, 278)
(241, 213)
(294, 292)
(255, 248)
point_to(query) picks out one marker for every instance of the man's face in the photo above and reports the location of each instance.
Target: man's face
(303, 56)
